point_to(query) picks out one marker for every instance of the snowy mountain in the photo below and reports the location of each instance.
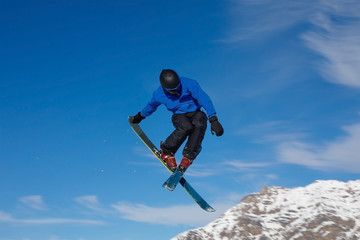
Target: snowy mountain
(323, 210)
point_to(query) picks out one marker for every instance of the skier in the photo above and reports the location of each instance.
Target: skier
(184, 98)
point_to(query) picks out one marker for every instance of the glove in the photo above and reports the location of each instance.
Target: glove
(137, 118)
(216, 126)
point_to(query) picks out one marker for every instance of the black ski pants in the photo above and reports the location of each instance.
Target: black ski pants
(188, 125)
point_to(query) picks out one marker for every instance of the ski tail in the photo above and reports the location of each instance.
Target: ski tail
(173, 180)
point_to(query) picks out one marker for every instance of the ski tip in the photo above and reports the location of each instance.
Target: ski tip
(168, 187)
(210, 209)
(130, 119)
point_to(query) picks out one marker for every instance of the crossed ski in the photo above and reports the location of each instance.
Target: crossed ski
(176, 176)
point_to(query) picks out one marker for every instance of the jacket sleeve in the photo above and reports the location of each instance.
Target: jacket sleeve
(203, 99)
(151, 107)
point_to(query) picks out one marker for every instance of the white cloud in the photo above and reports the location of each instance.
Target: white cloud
(343, 153)
(4, 217)
(272, 131)
(34, 201)
(254, 19)
(271, 176)
(334, 33)
(89, 201)
(56, 238)
(190, 215)
(7, 218)
(200, 171)
(143, 151)
(255, 180)
(246, 166)
(337, 41)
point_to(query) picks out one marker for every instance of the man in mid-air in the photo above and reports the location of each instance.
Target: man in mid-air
(185, 99)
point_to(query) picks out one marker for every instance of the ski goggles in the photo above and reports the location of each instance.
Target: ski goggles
(173, 90)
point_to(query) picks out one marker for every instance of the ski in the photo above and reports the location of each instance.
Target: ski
(173, 180)
(188, 188)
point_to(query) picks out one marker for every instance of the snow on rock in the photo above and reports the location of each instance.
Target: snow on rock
(323, 210)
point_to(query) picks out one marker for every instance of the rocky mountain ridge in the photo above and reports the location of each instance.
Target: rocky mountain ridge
(326, 210)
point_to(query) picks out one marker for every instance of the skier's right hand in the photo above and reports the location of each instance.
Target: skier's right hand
(137, 118)
(216, 127)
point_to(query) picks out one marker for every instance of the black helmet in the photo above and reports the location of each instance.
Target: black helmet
(169, 79)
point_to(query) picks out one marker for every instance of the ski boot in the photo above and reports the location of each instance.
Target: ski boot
(184, 164)
(169, 160)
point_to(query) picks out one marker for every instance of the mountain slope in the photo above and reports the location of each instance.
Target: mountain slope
(323, 210)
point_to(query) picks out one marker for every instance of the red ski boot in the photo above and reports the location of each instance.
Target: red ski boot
(184, 164)
(169, 160)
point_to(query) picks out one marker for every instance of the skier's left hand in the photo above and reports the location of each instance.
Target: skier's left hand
(216, 127)
(137, 118)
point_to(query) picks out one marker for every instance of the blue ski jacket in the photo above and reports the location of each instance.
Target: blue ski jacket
(190, 98)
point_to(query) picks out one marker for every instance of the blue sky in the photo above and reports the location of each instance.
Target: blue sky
(283, 76)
